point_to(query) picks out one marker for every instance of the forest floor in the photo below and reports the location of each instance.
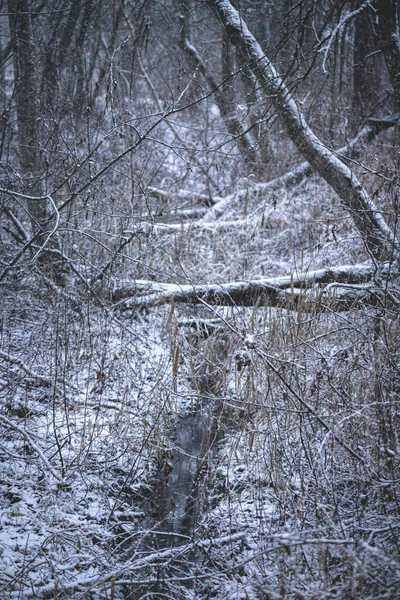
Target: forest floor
(291, 502)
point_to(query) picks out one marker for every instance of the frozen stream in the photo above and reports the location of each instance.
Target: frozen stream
(184, 475)
(193, 437)
(180, 492)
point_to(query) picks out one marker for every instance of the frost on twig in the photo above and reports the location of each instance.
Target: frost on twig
(47, 381)
(32, 444)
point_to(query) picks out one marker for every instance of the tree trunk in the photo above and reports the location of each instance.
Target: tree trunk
(389, 42)
(377, 236)
(54, 60)
(224, 97)
(81, 100)
(288, 291)
(27, 111)
(365, 70)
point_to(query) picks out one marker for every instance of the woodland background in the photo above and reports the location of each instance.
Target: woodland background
(171, 265)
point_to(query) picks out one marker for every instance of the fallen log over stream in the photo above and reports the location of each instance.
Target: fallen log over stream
(336, 287)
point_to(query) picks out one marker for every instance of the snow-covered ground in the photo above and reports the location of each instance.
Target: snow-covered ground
(300, 487)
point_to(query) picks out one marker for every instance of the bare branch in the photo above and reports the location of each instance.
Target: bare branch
(377, 235)
(34, 446)
(340, 26)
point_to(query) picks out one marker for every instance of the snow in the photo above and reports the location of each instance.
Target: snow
(97, 430)
(296, 493)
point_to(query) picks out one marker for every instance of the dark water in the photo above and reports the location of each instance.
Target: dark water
(179, 498)
(182, 503)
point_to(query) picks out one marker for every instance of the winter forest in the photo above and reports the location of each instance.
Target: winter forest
(199, 292)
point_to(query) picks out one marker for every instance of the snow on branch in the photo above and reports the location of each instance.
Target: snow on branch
(340, 26)
(286, 291)
(32, 444)
(369, 130)
(173, 553)
(377, 235)
(206, 199)
(129, 573)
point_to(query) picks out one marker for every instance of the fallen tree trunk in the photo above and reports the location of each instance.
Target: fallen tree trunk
(186, 226)
(288, 291)
(186, 195)
(214, 205)
(370, 129)
(367, 133)
(377, 235)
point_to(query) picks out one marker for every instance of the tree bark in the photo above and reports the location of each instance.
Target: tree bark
(377, 236)
(287, 291)
(389, 42)
(223, 96)
(26, 101)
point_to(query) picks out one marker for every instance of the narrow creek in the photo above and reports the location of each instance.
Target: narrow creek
(194, 435)
(174, 508)
(184, 475)
(179, 495)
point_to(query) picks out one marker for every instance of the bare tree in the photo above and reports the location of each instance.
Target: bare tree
(26, 100)
(378, 237)
(388, 40)
(224, 94)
